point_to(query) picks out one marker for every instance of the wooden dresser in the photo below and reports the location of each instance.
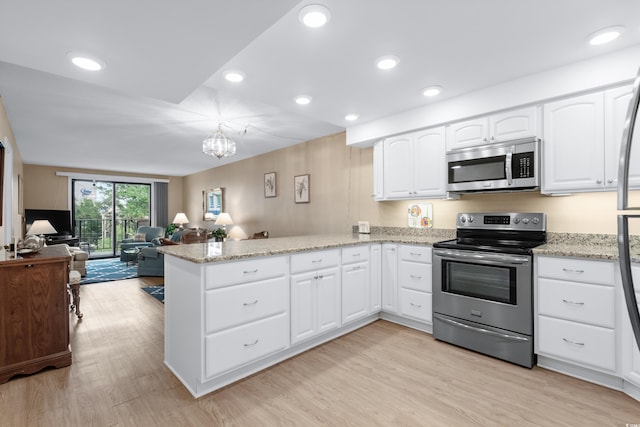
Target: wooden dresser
(34, 312)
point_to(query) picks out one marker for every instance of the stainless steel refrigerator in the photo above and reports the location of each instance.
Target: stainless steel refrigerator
(629, 158)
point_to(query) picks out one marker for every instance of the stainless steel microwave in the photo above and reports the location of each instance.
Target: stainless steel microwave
(505, 166)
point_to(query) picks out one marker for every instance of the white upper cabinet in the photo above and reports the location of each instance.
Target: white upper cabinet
(500, 127)
(573, 146)
(582, 138)
(415, 165)
(378, 171)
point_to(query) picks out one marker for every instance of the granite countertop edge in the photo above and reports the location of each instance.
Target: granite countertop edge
(579, 245)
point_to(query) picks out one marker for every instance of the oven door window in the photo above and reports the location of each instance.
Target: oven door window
(488, 282)
(484, 169)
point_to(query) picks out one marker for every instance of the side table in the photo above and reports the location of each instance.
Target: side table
(131, 255)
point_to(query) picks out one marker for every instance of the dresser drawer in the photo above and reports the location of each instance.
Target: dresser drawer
(415, 304)
(581, 302)
(353, 254)
(231, 273)
(235, 305)
(577, 342)
(578, 270)
(415, 253)
(238, 346)
(413, 275)
(316, 260)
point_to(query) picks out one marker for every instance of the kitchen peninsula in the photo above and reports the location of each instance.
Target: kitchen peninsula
(234, 308)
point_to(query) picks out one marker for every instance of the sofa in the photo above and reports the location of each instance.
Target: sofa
(145, 236)
(151, 262)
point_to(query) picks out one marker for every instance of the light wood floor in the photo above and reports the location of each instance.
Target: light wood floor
(381, 375)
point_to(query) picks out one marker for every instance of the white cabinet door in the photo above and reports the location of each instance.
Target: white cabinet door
(378, 171)
(469, 133)
(398, 162)
(514, 124)
(573, 147)
(375, 263)
(616, 102)
(355, 291)
(315, 303)
(389, 278)
(429, 163)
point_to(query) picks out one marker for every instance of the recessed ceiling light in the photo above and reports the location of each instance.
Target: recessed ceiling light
(387, 62)
(314, 15)
(432, 90)
(351, 117)
(86, 62)
(234, 76)
(605, 35)
(303, 99)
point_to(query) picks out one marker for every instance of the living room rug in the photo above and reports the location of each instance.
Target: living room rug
(107, 270)
(156, 291)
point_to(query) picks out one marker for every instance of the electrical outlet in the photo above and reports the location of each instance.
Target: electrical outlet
(363, 227)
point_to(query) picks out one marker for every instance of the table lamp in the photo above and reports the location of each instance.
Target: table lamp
(181, 219)
(224, 219)
(40, 227)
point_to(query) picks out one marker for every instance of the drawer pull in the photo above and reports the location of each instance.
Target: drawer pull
(416, 305)
(568, 270)
(572, 302)
(315, 261)
(252, 344)
(360, 267)
(250, 271)
(573, 342)
(413, 276)
(414, 254)
(358, 254)
(246, 304)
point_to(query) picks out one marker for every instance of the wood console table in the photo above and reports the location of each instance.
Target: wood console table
(34, 312)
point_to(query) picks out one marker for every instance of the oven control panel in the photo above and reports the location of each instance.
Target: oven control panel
(503, 221)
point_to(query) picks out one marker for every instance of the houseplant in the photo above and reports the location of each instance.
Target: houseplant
(219, 234)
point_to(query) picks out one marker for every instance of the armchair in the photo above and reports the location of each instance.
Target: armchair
(151, 262)
(145, 236)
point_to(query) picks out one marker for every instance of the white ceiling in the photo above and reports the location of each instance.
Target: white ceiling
(162, 90)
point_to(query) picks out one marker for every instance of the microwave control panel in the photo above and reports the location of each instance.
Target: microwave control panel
(522, 165)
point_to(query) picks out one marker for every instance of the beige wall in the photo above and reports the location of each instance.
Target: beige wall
(43, 189)
(15, 219)
(341, 188)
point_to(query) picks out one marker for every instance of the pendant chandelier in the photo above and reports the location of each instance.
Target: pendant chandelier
(218, 145)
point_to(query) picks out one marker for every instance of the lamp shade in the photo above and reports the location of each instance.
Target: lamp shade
(41, 226)
(224, 219)
(209, 216)
(180, 218)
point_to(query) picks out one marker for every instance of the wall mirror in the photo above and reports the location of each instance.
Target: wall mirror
(212, 203)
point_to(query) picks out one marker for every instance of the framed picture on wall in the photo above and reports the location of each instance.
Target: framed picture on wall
(270, 184)
(301, 188)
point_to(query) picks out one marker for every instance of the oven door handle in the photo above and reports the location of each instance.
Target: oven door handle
(482, 256)
(482, 330)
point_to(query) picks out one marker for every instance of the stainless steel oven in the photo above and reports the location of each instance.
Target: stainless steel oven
(483, 284)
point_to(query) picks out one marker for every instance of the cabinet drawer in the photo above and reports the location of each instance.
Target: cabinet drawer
(231, 273)
(235, 305)
(355, 254)
(235, 347)
(586, 344)
(413, 275)
(592, 304)
(576, 270)
(415, 253)
(314, 260)
(415, 304)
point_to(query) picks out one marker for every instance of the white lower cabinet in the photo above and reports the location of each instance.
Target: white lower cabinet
(414, 281)
(315, 295)
(389, 277)
(356, 283)
(576, 312)
(375, 266)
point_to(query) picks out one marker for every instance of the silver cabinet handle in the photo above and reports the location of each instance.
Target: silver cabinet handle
(358, 254)
(610, 181)
(572, 302)
(315, 261)
(252, 344)
(413, 276)
(360, 267)
(250, 271)
(414, 254)
(573, 342)
(569, 270)
(250, 303)
(598, 181)
(416, 305)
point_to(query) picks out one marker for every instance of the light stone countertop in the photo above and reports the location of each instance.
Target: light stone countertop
(580, 245)
(242, 249)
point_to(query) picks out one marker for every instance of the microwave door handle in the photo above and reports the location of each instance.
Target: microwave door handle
(507, 166)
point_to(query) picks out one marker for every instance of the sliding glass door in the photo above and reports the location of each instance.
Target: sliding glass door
(106, 212)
